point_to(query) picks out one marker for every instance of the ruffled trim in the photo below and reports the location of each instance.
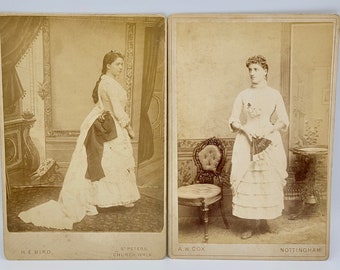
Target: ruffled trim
(119, 190)
(257, 213)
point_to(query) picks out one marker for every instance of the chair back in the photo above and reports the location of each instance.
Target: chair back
(209, 158)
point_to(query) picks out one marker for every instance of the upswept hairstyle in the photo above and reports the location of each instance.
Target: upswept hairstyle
(259, 60)
(109, 58)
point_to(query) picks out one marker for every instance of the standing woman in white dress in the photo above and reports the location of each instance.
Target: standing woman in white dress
(100, 174)
(118, 187)
(259, 160)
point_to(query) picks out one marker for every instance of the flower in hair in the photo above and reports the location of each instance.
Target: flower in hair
(115, 51)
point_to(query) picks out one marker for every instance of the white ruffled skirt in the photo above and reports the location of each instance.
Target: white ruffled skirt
(258, 184)
(79, 196)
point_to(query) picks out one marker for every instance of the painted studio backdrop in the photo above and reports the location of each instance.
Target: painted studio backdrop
(50, 66)
(210, 70)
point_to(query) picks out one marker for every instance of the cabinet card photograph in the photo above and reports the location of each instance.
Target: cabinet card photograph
(83, 136)
(251, 115)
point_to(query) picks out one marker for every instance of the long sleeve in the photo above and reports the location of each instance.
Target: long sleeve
(282, 116)
(236, 112)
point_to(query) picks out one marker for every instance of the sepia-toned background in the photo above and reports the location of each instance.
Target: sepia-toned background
(208, 71)
(168, 7)
(50, 66)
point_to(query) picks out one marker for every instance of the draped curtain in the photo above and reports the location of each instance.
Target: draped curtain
(146, 146)
(17, 34)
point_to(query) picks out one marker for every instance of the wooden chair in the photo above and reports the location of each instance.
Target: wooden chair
(209, 157)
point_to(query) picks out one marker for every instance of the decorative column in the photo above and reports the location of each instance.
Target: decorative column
(130, 64)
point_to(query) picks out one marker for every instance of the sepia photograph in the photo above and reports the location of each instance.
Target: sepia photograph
(83, 136)
(251, 107)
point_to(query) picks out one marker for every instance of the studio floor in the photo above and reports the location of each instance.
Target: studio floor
(145, 216)
(308, 228)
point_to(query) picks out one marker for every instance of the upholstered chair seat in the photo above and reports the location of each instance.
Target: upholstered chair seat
(209, 158)
(198, 194)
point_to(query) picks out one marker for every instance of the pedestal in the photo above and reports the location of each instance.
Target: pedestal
(21, 155)
(310, 194)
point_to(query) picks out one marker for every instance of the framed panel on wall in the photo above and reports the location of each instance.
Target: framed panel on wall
(251, 107)
(83, 139)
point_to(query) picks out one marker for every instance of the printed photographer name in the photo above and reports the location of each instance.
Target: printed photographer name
(36, 252)
(303, 250)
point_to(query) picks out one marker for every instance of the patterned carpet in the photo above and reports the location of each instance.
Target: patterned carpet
(145, 216)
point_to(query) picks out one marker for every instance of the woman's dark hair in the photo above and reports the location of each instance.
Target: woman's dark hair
(259, 60)
(109, 58)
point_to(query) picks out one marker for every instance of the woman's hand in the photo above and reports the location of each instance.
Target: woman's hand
(130, 131)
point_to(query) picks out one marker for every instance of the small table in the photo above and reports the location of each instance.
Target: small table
(310, 194)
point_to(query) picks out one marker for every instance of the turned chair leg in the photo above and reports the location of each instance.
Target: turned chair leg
(205, 214)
